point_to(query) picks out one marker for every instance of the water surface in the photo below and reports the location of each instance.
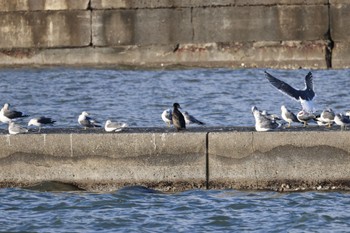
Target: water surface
(137, 209)
(219, 97)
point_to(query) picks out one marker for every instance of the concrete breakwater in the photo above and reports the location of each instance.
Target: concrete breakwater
(156, 33)
(161, 159)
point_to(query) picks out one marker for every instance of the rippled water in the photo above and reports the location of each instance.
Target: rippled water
(141, 210)
(219, 97)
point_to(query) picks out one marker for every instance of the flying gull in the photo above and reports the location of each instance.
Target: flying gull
(87, 121)
(178, 118)
(342, 120)
(304, 117)
(6, 115)
(288, 115)
(327, 117)
(39, 121)
(304, 96)
(16, 129)
(263, 123)
(167, 117)
(189, 119)
(114, 126)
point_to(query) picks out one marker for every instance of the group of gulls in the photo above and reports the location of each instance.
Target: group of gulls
(9, 116)
(171, 117)
(263, 120)
(266, 122)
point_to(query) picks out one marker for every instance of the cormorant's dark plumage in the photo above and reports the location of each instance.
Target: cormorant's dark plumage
(178, 119)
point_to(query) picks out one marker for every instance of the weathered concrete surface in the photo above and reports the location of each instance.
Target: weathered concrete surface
(152, 33)
(340, 55)
(110, 160)
(260, 23)
(146, 27)
(141, 4)
(201, 25)
(279, 160)
(288, 160)
(42, 29)
(40, 5)
(340, 32)
(292, 55)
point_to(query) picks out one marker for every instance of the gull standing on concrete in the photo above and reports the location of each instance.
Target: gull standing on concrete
(86, 121)
(305, 96)
(263, 123)
(16, 129)
(178, 118)
(167, 116)
(114, 126)
(342, 121)
(327, 117)
(304, 117)
(39, 121)
(189, 119)
(288, 115)
(6, 115)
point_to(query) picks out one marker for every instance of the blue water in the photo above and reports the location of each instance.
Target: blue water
(141, 210)
(219, 97)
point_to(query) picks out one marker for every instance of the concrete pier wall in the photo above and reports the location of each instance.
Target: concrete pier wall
(284, 161)
(228, 33)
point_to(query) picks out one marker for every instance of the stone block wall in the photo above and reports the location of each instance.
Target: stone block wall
(227, 33)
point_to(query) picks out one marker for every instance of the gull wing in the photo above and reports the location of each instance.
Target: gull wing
(283, 87)
(309, 87)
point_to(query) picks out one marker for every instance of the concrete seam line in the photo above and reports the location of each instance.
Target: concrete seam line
(207, 160)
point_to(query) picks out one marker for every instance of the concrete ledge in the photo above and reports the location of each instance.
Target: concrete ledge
(142, 4)
(283, 161)
(294, 159)
(292, 54)
(340, 55)
(110, 160)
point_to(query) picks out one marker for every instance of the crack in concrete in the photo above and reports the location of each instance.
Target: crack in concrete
(329, 40)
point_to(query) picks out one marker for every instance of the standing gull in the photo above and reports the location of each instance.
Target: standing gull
(189, 119)
(114, 126)
(304, 96)
(304, 117)
(16, 129)
(167, 117)
(263, 123)
(288, 115)
(342, 120)
(6, 115)
(327, 117)
(87, 121)
(178, 118)
(41, 121)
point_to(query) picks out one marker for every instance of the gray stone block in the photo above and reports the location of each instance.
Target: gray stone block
(258, 158)
(40, 5)
(260, 23)
(45, 29)
(141, 27)
(339, 23)
(340, 55)
(137, 158)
